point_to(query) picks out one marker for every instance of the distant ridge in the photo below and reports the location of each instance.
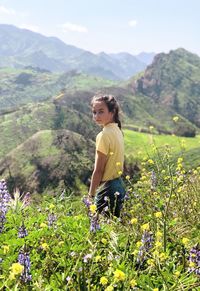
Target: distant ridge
(21, 48)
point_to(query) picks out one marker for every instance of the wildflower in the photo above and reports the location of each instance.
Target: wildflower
(45, 246)
(155, 289)
(16, 268)
(109, 288)
(24, 260)
(43, 225)
(134, 221)
(133, 283)
(177, 273)
(119, 172)
(127, 177)
(146, 244)
(194, 260)
(175, 118)
(145, 226)
(185, 241)
(4, 203)
(93, 208)
(151, 162)
(111, 153)
(119, 275)
(158, 214)
(51, 219)
(103, 281)
(151, 127)
(22, 232)
(61, 243)
(87, 257)
(51, 206)
(104, 241)
(87, 202)
(158, 244)
(118, 164)
(97, 259)
(94, 224)
(5, 249)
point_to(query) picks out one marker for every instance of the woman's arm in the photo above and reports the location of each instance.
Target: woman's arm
(100, 162)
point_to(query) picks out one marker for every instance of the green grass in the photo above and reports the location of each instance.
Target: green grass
(140, 145)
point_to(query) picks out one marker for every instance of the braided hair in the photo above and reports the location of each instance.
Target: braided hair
(112, 104)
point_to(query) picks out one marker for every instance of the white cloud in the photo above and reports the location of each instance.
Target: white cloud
(133, 23)
(6, 11)
(73, 27)
(30, 27)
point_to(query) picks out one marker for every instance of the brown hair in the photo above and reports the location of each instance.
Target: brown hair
(111, 103)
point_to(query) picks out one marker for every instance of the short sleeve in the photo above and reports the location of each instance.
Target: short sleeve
(102, 143)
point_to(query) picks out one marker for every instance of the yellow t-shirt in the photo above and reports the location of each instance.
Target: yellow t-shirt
(110, 142)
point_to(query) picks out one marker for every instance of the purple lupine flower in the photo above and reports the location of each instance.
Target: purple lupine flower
(4, 202)
(51, 219)
(194, 259)
(147, 239)
(24, 260)
(22, 232)
(87, 202)
(94, 224)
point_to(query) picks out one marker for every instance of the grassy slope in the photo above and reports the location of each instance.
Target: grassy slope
(140, 145)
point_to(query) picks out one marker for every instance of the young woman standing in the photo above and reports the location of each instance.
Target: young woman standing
(106, 183)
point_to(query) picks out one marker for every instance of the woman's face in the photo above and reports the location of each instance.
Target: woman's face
(101, 114)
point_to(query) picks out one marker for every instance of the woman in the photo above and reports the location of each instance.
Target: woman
(106, 183)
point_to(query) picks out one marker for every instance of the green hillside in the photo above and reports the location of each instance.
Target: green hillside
(48, 161)
(145, 146)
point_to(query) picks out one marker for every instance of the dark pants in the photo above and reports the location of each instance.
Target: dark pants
(110, 196)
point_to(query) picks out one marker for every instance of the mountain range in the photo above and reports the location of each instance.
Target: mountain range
(21, 47)
(46, 133)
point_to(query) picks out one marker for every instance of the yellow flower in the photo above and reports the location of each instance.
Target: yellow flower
(111, 153)
(51, 206)
(134, 220)
(192, 265)
(175, 118)
(43, 225)
(93, 208)
(177, 273)
(97, 259)
(151, 162)
(104, 281)
(158, 244)
(133, 283)
(109, 288)
(155, 289)
(16, 268)
(45, 246)
(119, 172)
(138, 244)
(151, 127)
(163, 256)
(104, 241)
(61, 243)
(185, 241)
(118, 164)
(145, 226)
(158, 214)
(159, 234)
(180, 160)
(127, 177)
(150, 262)
(119, 275)
(5, 249)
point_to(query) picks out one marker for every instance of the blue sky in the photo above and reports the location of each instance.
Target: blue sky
(111, 25)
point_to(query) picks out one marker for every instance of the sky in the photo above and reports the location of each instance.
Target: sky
(111, 26)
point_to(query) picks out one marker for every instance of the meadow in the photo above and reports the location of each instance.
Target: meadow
(59, 243)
